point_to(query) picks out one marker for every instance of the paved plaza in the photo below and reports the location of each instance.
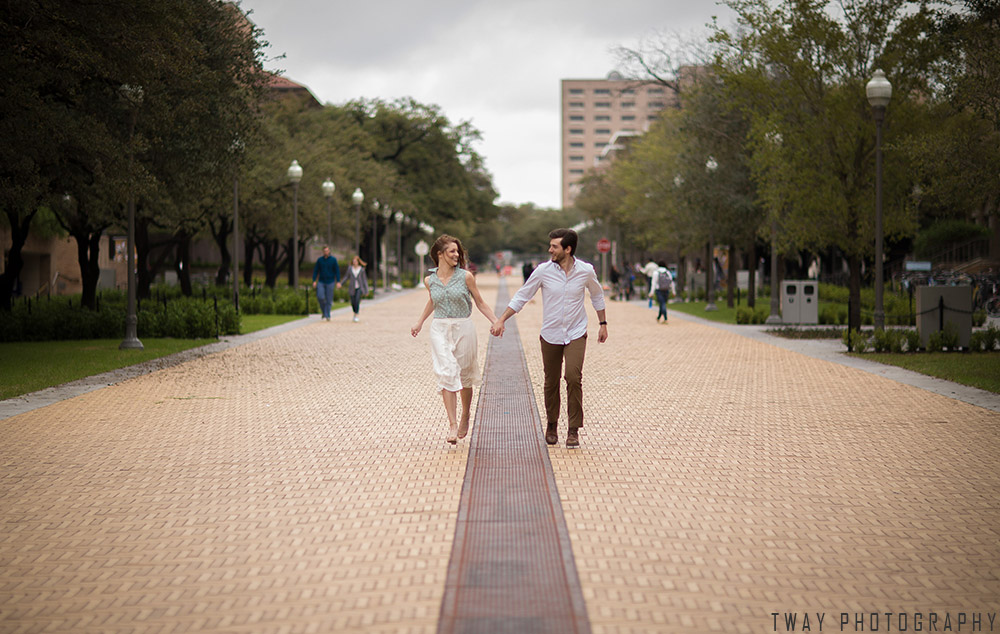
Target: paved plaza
(300, 482)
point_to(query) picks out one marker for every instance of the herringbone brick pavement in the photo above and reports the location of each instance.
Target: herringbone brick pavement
(721, 480)
(301, 483)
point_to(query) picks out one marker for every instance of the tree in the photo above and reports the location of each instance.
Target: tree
(801, 74)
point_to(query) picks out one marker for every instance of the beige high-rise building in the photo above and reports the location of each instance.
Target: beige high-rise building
(596, 115)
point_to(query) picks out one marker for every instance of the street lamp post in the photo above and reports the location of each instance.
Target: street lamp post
(236, 243)
(710, 165)
(387, 215)
(131, 341)
(400, 216)
(295, 175)
(879, 92)
(375, 209)
(328, 189)
(775, 316)
(358, 197)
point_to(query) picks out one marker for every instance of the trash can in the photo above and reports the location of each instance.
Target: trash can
(799, 302)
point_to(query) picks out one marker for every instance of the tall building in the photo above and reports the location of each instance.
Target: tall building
(596, 114)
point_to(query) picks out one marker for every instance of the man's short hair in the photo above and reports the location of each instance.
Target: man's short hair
(568, 238)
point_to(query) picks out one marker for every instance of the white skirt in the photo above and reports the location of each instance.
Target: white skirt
(453, 352)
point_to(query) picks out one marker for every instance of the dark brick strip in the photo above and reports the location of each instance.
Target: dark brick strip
(511, 567)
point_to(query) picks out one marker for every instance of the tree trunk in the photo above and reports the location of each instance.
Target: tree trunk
(221, 236)
(752, 275)
(88, 249)
(15, 261)
(249, 247)
(854, 314)
(143, 276)
(270, 259)
(182, 263)
(731, 277)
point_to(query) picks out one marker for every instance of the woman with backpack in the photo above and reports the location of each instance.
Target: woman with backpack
(660, 287)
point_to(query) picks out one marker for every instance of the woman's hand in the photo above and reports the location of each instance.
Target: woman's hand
(415, 330)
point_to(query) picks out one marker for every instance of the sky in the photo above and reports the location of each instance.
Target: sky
(495, 63)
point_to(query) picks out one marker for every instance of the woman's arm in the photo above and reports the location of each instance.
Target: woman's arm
(470, 282)
(428, 309)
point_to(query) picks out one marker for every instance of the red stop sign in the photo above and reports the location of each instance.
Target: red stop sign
(604, 245)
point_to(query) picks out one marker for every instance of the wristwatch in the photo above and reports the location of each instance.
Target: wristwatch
(604, 323)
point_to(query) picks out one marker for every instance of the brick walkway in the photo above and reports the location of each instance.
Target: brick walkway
(301, 483)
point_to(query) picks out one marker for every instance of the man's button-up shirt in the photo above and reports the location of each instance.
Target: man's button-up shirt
(564, 314)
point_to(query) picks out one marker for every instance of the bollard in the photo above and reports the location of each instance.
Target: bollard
(941, 314)
(215, 301)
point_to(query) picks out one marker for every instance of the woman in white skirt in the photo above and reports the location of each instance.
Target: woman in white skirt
(452, 289)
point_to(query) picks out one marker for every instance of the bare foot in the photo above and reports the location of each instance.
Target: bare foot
(463, 428)
(452, 437)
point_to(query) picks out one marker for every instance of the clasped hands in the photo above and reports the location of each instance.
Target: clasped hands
(497, 328)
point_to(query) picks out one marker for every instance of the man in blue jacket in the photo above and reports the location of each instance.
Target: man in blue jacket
(326, 277)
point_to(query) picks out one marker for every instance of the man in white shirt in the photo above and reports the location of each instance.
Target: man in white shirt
(563, 281)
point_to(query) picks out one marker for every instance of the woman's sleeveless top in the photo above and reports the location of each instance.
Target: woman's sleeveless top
(451, 300)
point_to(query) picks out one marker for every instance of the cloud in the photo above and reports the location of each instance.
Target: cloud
(497, 64)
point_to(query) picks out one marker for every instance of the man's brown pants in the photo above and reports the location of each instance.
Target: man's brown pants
(552, 363)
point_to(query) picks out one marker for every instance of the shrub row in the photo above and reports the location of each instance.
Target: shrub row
(167, 313)
(908, 340)
(181, 318)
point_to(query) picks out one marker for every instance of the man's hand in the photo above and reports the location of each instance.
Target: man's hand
(314, 283)
(602, 334)
(497, 328)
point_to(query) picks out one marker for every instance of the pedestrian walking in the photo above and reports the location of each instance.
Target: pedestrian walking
(563, 337)
(357, 284)
(326, 277)
(659, 285)
(452, 290)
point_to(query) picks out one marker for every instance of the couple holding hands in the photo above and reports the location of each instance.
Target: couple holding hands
(563, 281)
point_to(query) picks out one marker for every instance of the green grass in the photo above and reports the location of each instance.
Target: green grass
(253, 323)
(974, 369)
(724, 315)
(29, 366)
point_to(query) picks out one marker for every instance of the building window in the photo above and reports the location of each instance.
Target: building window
(576, 144)
(576, 104)
(576, 172)
(654, 91)
(628, 91)
(602, 117)
(628, 117)
(576, 117)
(655, 105)
(576, 91)
(602, 131)
(602, 104)
(602, 91)
(600, 145)
(575, 158)
(628, 104)
(652, 117)
(576, 130)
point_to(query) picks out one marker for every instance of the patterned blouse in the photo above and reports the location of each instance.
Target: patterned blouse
(451, 300)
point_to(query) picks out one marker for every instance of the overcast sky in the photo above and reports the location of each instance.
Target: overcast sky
(496, 63)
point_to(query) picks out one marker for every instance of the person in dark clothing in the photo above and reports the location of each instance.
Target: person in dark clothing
(326, 277)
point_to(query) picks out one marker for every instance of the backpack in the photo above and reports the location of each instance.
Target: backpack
(663, 280)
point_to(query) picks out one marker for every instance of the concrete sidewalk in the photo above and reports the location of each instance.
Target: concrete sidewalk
(301, 483)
